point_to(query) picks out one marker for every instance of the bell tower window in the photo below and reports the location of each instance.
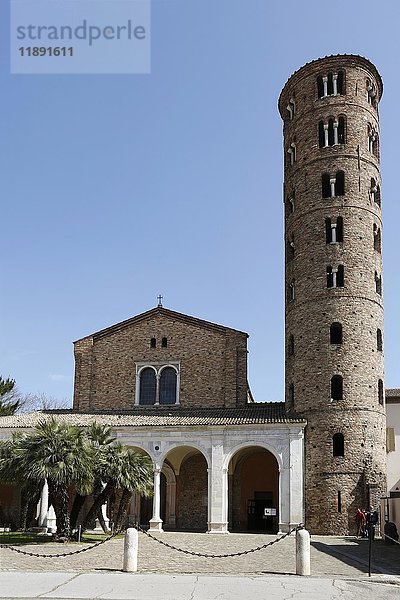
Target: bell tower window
(337, 387)
(334, 231)
(335, 276)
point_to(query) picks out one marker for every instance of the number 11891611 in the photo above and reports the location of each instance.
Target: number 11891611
(43, 51)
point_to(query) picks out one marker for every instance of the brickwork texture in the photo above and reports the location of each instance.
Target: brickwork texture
(335, 485)
(212, 361)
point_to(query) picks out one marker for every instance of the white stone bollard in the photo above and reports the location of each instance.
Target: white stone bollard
(303, 552)
(131, 550)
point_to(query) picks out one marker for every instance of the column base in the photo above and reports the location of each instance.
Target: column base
(214, 527)
(156, 525)
(286, 527)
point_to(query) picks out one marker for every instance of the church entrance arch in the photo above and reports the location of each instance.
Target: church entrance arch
(187, 495)
(253, 490)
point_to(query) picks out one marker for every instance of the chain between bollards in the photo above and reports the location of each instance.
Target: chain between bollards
(231, 555)
(38, 555)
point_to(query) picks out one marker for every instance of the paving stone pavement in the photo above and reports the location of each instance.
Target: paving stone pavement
(346, 557)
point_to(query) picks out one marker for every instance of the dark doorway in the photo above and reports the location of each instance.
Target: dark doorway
(257, 520)
(253, 488)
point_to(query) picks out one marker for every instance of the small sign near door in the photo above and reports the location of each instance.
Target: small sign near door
(269, 512)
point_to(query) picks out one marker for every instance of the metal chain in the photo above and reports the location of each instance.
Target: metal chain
(191, 553)
(95, 545)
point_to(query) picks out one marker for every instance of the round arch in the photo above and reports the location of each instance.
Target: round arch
(187, 499)
(142, 449)
(254, 495)
(191, 446)
(253, 444)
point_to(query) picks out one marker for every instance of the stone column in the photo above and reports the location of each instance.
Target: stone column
(326, 133)
(44, 505)
(156, 521)
(325, 81)
(335, 133)
(335, 84)
(296, 460)
(333, 185)
(284, 499)
(333, 233)
(217, 492)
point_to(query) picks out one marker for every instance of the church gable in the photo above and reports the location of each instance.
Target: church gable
(161, 358)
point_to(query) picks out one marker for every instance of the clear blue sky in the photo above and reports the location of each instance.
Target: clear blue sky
(115, 188)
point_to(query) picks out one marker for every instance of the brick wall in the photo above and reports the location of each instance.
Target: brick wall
(335, 486)
(191, 494)
(213, 361)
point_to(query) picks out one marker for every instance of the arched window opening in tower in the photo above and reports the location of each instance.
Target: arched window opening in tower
(153, 343)
(331, 84)
(373, 141)
(377, 239)
(164, 342)
(290, 249)
(378, 283)
(380, 391)
(341, 129)
(291, 291)
(339, 184)
(332, 186)
(334, 231)
(291, 345)
(332, 132)
(290, 204)
(379, 340)
(337, 387)
(322, 134)
(338, 444)
(291, 155)
(291, 108)
(335, 276)
(339, 501)
(336, 333)
(371, 93)
(375, 192)
(148, 387)
(326, 185)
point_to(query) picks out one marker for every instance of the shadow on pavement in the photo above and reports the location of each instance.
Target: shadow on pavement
(385, 558)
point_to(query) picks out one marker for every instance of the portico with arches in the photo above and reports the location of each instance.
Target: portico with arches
(224, 477)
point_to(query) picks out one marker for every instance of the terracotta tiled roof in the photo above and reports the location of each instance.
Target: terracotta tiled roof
(392, 393)
(250, 414)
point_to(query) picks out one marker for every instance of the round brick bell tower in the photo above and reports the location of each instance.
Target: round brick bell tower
(334, 306)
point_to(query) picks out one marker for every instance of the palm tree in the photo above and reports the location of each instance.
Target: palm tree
(121, 469)
(61, 454)
(138, 468)
(99, 436)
